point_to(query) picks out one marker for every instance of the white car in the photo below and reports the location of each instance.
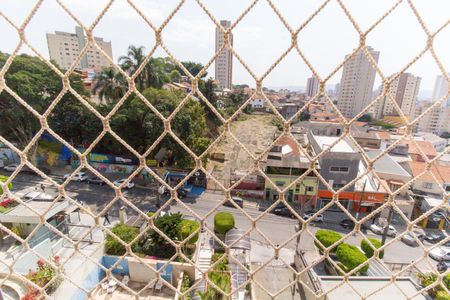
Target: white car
(375, 228)
(441, 253)
(11, 168)
(308, 215)
(128, 185)
(80, 176)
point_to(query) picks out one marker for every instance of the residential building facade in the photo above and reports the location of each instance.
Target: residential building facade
(224, 61)
(441, 90)
(312, 86)
(435, 121)
(404, 90)
(65, 47)
(356, 87)
(285, 164)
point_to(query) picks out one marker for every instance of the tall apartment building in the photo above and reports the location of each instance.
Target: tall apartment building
(356, 87)
(64, 48)
(224, 61)
(441, 89)
(312, 86)
(435, 121)
(404, 90)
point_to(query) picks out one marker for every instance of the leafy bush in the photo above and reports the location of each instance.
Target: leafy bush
(3, 179)
(442, 295)
(126, 234)
(327, 238)
(223, 221)
(351, 257)
(187, 227)
(185, 285)
(368, 249)
(45, 273)
(157, 245)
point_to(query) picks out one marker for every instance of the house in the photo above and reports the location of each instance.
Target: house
(415, 148)
(426, 184)
(395, 176)
(438, 143)
(367, 140)
(340, 164)
(287, 109)
(285, 164)
(257, 104)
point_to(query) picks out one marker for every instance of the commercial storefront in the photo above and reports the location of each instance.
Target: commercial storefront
(352, 201)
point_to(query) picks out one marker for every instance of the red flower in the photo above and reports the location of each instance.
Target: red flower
(56, 258)
(40, 262)
(5, 202)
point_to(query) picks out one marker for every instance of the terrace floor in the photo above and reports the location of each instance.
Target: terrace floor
(122, 294)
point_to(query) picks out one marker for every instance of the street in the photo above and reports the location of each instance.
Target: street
(268, 229)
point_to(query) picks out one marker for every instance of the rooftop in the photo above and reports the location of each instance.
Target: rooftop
(386, 164)
(442, 173)
(25, 214)
(365, 286)
(326, 141)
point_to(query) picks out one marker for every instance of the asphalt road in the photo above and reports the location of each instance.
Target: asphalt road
(266, 229)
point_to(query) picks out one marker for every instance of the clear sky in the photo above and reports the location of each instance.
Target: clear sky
(260, 37)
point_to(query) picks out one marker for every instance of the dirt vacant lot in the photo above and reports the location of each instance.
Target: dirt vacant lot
(256, 132)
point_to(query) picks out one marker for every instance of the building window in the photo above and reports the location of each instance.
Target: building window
(279, 183)
(427, 185)
(339, 169)
(297, 188)
(309, 189)
(337, 186)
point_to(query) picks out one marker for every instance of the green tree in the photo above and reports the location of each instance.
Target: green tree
(110, 85)
(156, 244)
(38, 85)
(327, 238)
(369, 249)
(4, 179)
(131, 62)
(193, 68)
(351, 257)
(157, 73)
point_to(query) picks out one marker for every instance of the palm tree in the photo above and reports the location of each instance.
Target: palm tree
(156, 72)
(109, 84)
(132, 61)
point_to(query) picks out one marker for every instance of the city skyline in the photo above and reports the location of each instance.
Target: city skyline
(260, 43)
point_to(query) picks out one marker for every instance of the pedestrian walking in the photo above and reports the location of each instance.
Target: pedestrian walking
(106, 219)
(43, 187)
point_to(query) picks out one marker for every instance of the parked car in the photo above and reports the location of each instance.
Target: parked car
(237, 200)
(309, 214)
(95, 180)
(434, 237)
(182, 193)
(409, 239)
(128, 185)
(282, 210)
(441, 253)
(442, 266)
(376, 228)
(2, 164)
(79, 176)
(11, 168)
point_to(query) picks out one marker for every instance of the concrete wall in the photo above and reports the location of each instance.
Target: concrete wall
(28, 260)
(140, 272)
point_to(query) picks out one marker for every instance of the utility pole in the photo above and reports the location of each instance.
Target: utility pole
(360, 200)
(389, 219)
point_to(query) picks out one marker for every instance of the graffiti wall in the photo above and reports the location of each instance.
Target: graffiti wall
(47, 157)
(8, 156)
(113, 168)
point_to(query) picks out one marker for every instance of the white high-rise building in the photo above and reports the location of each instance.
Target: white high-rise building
(441, 89)
(224, 61)
(356, 87)
(404, 90)
(435, 121)
(64, 48)
(312, 86)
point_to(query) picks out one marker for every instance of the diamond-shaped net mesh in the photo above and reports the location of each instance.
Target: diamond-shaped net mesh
(289, 258)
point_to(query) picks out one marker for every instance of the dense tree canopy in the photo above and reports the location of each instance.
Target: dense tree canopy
(38, 85)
